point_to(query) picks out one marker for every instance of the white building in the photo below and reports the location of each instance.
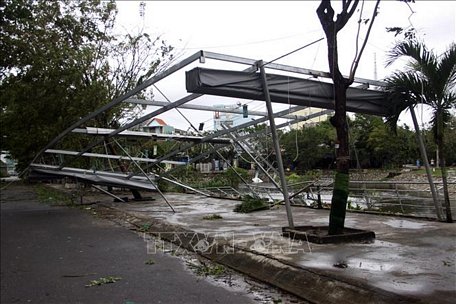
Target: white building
(228, 119)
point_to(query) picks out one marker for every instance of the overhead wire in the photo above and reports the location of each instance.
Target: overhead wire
(248, 43)
(294, 51)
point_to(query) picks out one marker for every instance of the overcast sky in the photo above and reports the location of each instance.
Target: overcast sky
(269, 29)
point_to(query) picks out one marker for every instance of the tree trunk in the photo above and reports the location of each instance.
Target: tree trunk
(326, 15)
(446, 195)
(341, 179)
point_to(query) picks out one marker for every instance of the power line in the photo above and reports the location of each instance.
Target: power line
(298, 49)
(249, 43)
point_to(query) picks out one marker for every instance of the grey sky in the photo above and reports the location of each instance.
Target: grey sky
(269, 29)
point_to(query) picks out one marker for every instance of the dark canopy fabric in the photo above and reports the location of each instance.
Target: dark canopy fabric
(283, 89)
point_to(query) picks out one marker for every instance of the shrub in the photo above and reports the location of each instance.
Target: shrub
(251, 204)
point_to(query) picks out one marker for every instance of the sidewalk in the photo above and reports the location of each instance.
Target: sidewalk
(411, 261)
(55, 254)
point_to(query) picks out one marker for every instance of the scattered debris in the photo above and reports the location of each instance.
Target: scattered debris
(103, 281)
(212, 217)
(251, 204)
(145, 227)
(149, 262)
(207, 269)
(447, 263)
(341, 265)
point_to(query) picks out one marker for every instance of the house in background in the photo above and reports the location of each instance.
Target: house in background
(157, 125)
(7, 164)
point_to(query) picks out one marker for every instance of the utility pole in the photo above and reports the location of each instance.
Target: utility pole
(375, 66)
(142, 10)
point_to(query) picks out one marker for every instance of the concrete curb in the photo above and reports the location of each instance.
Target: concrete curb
(315, 286)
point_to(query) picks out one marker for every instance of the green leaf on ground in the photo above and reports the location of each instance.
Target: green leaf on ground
(103, 281)
(212, 217)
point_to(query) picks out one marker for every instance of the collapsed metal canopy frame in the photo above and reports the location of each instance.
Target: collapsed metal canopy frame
(104, 138)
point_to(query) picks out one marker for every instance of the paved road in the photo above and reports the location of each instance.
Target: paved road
(49, 254)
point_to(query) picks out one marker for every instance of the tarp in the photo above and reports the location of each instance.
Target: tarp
(283, 89)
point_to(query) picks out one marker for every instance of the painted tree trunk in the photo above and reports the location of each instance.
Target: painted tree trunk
(341, 179)
(326, 15)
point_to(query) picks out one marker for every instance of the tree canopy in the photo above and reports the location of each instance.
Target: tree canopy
(62, 60)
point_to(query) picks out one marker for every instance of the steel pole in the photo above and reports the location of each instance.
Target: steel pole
(147, 176)
(256, 162)
(275, 140)
(435, 197)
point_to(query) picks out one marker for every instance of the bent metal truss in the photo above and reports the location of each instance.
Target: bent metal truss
(95, 161)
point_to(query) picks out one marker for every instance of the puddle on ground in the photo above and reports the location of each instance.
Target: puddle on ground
(405, 224)
(370, 265)
(403, 286)
(221, 276)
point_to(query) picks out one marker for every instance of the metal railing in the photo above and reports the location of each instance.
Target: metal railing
(389, 197)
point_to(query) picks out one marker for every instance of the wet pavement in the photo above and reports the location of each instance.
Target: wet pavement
(53, 254)
(409, 257)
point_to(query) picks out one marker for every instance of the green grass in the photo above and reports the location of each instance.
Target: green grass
(51, 196)
(435, 171)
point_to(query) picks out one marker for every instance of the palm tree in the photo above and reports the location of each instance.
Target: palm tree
(427, 79)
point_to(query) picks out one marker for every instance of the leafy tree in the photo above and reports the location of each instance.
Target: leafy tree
(360, 129)
(62, 61)
(450, 142)
(377, 146)
(309, 147)
(373, 143)
(332, 24)
(430, 79)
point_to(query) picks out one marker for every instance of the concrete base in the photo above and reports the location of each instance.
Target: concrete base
(319, 235)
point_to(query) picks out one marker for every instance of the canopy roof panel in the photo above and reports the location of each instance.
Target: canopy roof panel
(283, 89)
(108, 163)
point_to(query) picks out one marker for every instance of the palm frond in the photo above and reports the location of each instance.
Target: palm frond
(404, 90)
(422, 59)
(447, 69)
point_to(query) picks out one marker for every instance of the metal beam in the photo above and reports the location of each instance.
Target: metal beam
(96, 177)
(156, 136)
(119, 99)
(223, 132)
(110, 156)
(206, 108)
(140, 120)
(145, 174)
(236, 137)
(107, 193)
(275, 140)
(286, 124)
(257, 163)
(183, 186)
(283, 67)
(419, 138)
